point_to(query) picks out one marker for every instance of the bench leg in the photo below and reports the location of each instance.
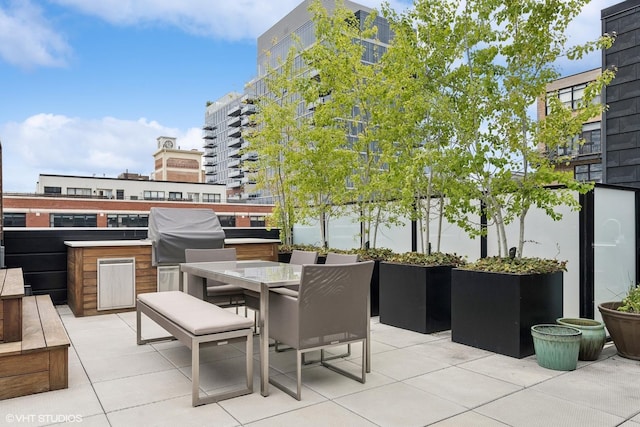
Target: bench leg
(196, 400)
(195, 374)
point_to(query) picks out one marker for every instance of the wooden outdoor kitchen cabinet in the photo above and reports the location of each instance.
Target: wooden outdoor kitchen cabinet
(106, 276)
(111, 273)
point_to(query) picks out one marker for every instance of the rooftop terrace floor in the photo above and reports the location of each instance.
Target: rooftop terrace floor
(416, 380)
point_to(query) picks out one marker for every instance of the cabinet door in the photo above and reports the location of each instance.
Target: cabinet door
(116, 283)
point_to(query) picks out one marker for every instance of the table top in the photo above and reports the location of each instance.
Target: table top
(248, 274)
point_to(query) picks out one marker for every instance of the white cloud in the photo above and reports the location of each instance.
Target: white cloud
(228, 20)
(48, 143)
(27, 39)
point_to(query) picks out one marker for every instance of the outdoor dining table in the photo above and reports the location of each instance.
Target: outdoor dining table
(258, 276)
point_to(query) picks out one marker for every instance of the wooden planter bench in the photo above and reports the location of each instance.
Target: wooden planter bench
(195, 322)
(39, 361)
(11, 293)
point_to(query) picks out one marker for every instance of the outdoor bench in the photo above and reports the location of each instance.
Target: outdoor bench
(39, 361)
(194, 322)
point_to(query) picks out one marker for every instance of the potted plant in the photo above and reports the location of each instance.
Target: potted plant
(415, 291)
(622, 320)
(495, 302)
(378, 255)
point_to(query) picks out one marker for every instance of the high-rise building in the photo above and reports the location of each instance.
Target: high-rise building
(226, 160)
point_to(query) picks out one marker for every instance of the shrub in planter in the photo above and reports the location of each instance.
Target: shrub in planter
(415, 291)
(496, 301)
(622, 320)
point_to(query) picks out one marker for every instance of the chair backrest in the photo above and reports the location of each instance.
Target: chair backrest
(204, 255)
(303, 257)
(333, 303)
(334, 258)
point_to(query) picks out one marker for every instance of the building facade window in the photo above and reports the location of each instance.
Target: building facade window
(209, 198)
(127, 220)
(120, 194)
(258, 220)
(227, 220)
(14, 219)
(570, 96)
(194, 197)
(591, 136)
(154, 195)
(52, 190)
(104, 192)
(590, 172)
(83, 192)
(591, 142)
(73, 220)
(175, 195)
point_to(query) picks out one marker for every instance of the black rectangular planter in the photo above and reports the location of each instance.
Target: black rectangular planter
(415, 297)
(495, 311)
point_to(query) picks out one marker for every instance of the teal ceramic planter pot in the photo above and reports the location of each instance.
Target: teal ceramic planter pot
(593, 336)
(556, 346)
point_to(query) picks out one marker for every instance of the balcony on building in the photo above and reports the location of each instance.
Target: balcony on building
(234, 121)
(248, 179)
(209, 128)
(249, 156)
(246, 121)
(233, 163)
(234, 184)
(248, 109)
(234, 153)
(234, 133)
(234, 143)
(236, 173)
(235, 111)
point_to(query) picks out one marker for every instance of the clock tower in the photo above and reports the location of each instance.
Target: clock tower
(174, 164)
(166, 142)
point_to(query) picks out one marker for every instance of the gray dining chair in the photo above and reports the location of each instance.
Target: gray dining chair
(334, 258)
(303, 257)
(298, 257)
(330, 310)
(221, 294)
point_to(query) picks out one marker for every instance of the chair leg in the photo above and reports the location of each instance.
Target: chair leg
(298, 393)
(362, 377)
(299, 374)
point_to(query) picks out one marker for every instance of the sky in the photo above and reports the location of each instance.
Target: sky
(86, 86)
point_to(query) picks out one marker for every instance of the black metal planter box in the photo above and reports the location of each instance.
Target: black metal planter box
(495, 311)
(415, 297)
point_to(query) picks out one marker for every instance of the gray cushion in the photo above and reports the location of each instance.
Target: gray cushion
(194, 315)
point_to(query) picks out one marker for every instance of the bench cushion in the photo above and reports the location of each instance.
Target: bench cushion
(194, 315)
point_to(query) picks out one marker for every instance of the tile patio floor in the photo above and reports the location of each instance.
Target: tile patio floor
(416, 380)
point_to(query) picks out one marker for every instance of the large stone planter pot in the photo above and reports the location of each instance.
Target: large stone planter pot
(556, 346)
(414, 297)
(624, 329)
(495, 311)
(593, 336)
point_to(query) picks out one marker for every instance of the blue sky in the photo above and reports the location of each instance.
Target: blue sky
(86, 86)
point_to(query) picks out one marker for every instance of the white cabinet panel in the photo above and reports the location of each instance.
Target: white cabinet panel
(116, 283)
